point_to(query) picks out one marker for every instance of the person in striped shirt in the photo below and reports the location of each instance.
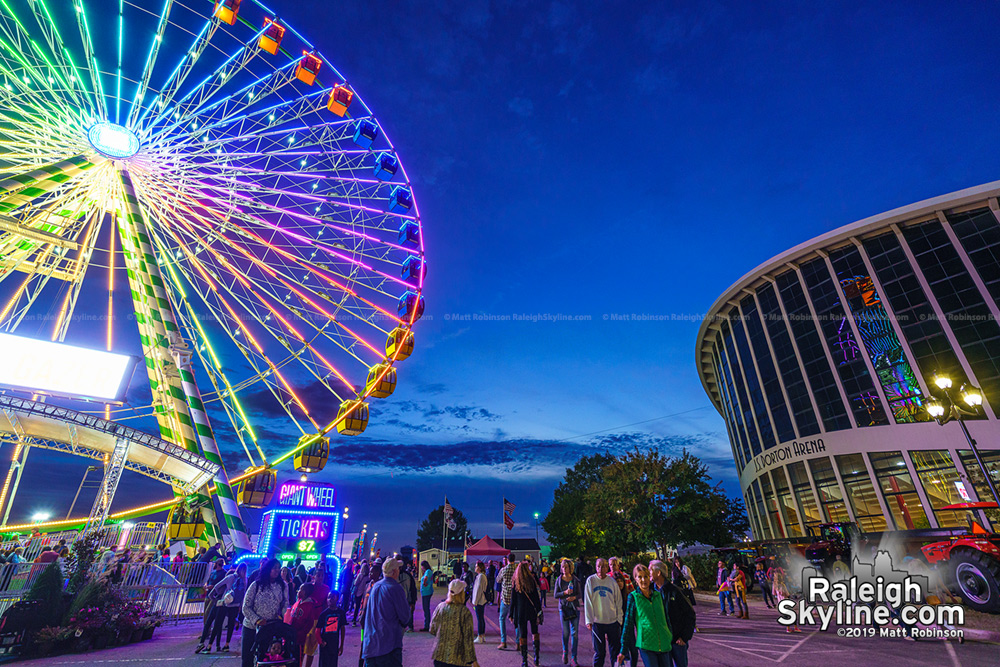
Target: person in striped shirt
(506, 578)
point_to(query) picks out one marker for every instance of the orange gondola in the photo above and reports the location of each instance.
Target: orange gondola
(340, 99)
(270, 39)
(308, 68)
(227, 10)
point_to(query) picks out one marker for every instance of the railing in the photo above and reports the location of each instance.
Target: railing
(172, 590)
(118, 536)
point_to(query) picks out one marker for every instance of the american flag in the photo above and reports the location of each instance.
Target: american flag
(507, 521)
(508, 506)
(448, 509)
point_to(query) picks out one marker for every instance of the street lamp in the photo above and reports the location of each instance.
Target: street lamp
(38, 517)
(947, 408)
(89, 470)
(536, 531)
(343, 529)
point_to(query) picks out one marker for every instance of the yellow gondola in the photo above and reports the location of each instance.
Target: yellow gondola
(185, 522)
(313, 458)
(381, 381)
(257, 490)
(399, 339)
(356, 419)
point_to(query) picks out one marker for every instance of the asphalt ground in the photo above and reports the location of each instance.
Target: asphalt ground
(723, 641)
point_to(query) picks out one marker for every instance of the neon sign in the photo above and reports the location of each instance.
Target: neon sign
(303, 529)
(301, 494)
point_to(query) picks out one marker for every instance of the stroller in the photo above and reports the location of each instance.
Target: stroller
(275, 645)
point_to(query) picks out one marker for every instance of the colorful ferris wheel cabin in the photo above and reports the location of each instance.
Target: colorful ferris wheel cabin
(414, 270)
(400, 200)
(399, 345)
(409, 234)
(226, 10)
(355, 417)
(410, 307)
(340, 100)
(381, 381)
(366, 134)
(270, 39)
(308, 68)
(313, 457)
(185, 521)
(386, 165)
(257, 490)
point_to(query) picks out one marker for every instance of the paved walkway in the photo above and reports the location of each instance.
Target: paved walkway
(721, 642)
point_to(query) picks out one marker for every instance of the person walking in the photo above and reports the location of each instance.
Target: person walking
(543, 587)
(409, 587)
(479, 601)
(526, 607)
(679, 613)
(426, 591)
(602, 613)
(625, 587)
(386, 614)
(645, 625)
(722, 582)
(230, 592)
(738, 591)
(760, 575)
(568, 591)
(265, 601)
(321, 590)
(681, 577)
(780, 590)
(506, 579)
(359, 589)
(452, 626)
(332, 628)
(305, 615)
(346, 582)
(217, 575)
(491, 581)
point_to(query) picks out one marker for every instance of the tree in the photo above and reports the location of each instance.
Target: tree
(566, 525)
(431, 530)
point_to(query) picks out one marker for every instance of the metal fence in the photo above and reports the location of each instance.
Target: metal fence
(119, 536)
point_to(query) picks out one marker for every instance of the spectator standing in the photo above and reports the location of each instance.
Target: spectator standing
(568, 591)
(506, 579)
(265, 602)
(479, 587)
(321, 590)
(602, 613)
(722, 582)
(491, 582)
(426, 591)
(305, 615)
(738, 591)
(760, 574)
(332, 627)
(526, 607)
(543, 588)
(217, 575)
(230, 593)
(679, 613)
(409, 587)
(452, 626)
(625, 587)
(645, 625)
(681, 577)
(386, 614)
(346, 582)
(359, 588)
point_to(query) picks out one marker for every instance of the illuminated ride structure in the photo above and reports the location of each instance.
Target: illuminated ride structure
(214, 159)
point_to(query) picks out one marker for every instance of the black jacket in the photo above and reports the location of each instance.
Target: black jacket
(680, 613)
(524, 607)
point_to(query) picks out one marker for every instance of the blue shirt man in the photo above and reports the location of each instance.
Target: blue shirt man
(386, 614)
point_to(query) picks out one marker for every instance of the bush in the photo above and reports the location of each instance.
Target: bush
(84, 554)
(47, 589)
(703, 567)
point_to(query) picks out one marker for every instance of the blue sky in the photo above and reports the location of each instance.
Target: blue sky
(595, 159)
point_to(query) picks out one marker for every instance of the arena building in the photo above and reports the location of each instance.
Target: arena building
(822, 361)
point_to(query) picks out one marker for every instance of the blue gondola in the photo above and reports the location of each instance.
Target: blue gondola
(366, 134)
(410, 307)
(414, 270)
(401, 200)
(386, 165)
(409, 235)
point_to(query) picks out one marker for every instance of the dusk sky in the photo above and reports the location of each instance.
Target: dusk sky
(595, 161)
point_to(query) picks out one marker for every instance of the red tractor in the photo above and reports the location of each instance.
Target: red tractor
(974, 560)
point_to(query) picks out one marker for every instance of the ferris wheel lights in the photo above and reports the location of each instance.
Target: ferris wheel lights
(340, 99)
(308, 68)
(366, 134)
(409, 234)
(270, 40)
(226, 10)
(410, 307)
(386, 165)
(400, 200)
(381, 381)
(399, 345)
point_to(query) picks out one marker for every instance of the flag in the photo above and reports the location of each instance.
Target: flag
(452, 525)
(508, 506)
(507, 521)
(448, 509)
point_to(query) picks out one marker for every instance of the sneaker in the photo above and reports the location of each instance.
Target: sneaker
(722, 613)
(477, 640)
(199, 648)
(206, 650)
(565, 658)
(225, 649)
(502, 647)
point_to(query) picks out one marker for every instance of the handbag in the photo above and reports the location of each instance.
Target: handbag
(228, 598)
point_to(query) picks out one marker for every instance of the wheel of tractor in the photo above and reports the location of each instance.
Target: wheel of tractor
(977, 577)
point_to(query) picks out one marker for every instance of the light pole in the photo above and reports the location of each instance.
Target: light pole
(945, 409)
(343, 529)
(536, 531)
(80, 488)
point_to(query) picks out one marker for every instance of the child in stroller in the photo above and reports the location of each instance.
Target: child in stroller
(275, 645)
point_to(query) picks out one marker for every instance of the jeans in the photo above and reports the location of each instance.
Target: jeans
(393, 658)
(426, 599)
(504, 609)
(544, 595)
(481, 619)
(357, 608)
(209, 617)
(723, 596)
(649, 658)
(221, 614)
(246, 646)
(604, 634)
(765, 589)
(679, 655)
(570, 628)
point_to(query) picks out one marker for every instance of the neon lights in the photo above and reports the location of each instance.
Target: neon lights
(303, 529)
(113, 141)
(302, 494)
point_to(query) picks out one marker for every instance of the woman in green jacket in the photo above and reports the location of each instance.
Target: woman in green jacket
(646, 616)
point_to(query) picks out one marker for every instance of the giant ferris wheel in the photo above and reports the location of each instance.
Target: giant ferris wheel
(212, 157)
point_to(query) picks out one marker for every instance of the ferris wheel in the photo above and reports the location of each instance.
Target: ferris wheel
(214, 158)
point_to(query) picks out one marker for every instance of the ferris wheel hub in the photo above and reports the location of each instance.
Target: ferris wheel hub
(113, 141)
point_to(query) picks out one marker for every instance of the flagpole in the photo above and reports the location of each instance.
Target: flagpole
(503, 520)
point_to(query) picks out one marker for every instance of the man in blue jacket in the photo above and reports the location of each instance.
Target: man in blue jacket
(386, 614)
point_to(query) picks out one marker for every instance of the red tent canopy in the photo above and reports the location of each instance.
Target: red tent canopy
(486, 547)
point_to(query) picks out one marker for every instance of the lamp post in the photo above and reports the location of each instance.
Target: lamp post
(89, 470)
(947, 408)
(536, 531)
(343, 529)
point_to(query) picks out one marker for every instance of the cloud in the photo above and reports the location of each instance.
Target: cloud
(262, 403)
(521, 106)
